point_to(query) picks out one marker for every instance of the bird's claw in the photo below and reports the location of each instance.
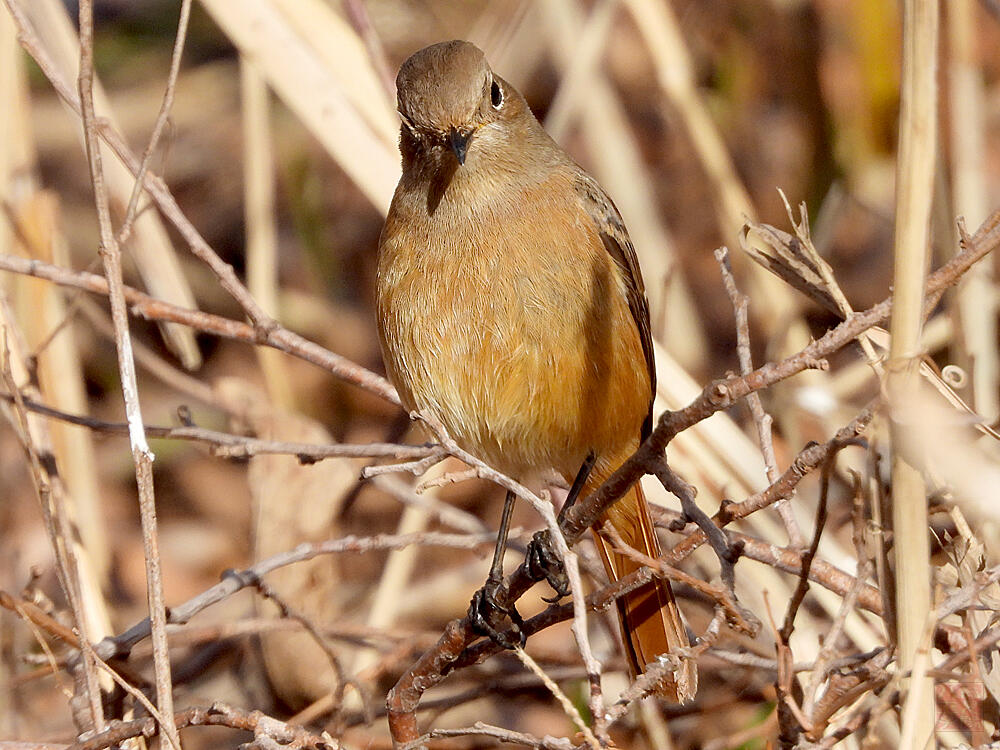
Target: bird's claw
(543, 563)
(486, 615)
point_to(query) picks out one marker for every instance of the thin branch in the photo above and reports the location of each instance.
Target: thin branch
(161, 120)
(567, 705)
(234, 581)
(481, 729)
(721, 596)
(785, 559)
(153, 184)
(802, 588)
(265, 728)
(51, 493)
(229, 445)
(675, 484)
(761, 418)
(562, 549)
(288, 612)
(147, 358)
(141, 454)
(36, 615)
(150, 308)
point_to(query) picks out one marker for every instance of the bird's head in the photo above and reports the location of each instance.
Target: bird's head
(449, 98)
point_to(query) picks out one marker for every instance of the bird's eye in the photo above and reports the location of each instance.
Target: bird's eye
(496, 95)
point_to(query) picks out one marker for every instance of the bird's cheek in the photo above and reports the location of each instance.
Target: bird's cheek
(486, 144)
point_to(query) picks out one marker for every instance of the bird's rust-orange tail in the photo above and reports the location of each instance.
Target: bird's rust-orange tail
(650, 620)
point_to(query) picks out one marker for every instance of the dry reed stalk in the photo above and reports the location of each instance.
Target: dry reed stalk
(32, 229)
(574, 86)
(42, 315)
(48, 326)
(675, 72)
(207, 93)
(17, 146)
(914, 194)
(305, 82)
(51, 492)
(345, 56)
(261, 227)
(977, 302)
(510, 34)
(150, 246)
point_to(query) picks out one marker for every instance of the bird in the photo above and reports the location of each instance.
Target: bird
(511, 310)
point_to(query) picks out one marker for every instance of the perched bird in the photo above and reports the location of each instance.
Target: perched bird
(511, 309)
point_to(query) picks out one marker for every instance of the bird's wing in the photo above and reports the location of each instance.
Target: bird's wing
(616, 241)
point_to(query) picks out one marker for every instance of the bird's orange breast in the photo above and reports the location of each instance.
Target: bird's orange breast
(512, 328)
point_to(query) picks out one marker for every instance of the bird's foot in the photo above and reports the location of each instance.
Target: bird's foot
(486, 616)
(543, 563)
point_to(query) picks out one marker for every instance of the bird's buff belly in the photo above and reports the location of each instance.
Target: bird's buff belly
(526, 397)
(501, 406)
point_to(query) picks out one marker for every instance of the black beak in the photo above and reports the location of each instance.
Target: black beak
(459, 142)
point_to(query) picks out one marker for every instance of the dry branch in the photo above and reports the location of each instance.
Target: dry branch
(233, 581)
(268, 731)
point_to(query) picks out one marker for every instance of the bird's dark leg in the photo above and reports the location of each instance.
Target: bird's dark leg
(484, 610)
(542, 561)
(581, 479)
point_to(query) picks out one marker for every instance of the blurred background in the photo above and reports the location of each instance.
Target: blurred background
(692, 114)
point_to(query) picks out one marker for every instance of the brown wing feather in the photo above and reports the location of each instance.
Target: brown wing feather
(649, 616)
(614, 235)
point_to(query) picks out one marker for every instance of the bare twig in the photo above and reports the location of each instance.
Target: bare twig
(481, 729)
(727, 555)
(446, 513)
(567, 705)
(721, 596)
(234, 581)
(785, 559)
(142, 455)
(290, 613)
(724, 393)
(33, 613)
(810, 554)
(760, 417)
(266, 729)
(161, 120)
(814, 693)
(792, 718)
(647, 681)
(146, 357)
(562, 549)
(150, 308)
(155, 186)
(52, 498)
(228, 445)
